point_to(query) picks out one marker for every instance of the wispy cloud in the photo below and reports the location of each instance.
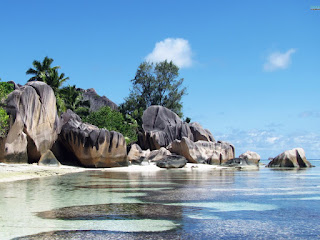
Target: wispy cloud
(177, 50)
(270, 143)
(310, 114)
(278, 60)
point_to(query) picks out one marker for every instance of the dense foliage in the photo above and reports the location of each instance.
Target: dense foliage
(73, 100)
(112, 120)
(154, 84)
(5, 89)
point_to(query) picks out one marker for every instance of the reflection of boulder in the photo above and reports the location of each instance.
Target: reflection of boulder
(251, 156)
(200, 134)
(173, 161)
(202, 151)
(291, 158)
(239, 163)
(34, 123)
(48, 159)
(161, 127)
(92, 146)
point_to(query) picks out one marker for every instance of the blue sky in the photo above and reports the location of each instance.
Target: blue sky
(251, 68)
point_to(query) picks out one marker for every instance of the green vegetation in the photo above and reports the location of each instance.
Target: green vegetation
(112, 120)
(73, 100)
(5, 89)
(154, 85)
(41, 69)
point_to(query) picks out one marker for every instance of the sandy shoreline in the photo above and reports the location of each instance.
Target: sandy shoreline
(16, 172)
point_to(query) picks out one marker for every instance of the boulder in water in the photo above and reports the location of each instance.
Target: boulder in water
(291, 158)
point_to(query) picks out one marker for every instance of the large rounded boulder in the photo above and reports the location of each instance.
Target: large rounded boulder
(203, 151)
(251, 156)
(33, 125)
(200, 134)
(161, 126)
(294, 158)
(92, 146)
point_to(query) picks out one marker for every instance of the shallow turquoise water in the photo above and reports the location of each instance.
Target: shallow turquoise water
(167, 204)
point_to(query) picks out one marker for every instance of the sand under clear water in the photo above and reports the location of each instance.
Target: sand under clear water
(152, 203)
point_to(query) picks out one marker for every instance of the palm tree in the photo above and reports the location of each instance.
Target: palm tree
(73, 100)
(53, 79)
(40, 69)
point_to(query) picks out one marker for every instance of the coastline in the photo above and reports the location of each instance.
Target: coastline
(17, 172)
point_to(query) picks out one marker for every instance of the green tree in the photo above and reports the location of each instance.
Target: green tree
(154, 84)
(113, 120)
(40, 69)
(73, 100)
(5, 89)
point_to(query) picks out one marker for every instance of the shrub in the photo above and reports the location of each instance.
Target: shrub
(112, 120)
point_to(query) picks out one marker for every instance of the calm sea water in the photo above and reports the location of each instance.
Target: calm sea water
(167, 204)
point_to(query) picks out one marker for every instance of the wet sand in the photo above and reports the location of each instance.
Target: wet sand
(16, 172)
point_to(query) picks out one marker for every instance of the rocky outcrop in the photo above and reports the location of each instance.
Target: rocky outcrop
(157, 155)
(240, 163)
(92, 146)
(173, 161)
(136, 155)
(251, 156)
(291, 158)
(202, 151)
(161, 126)
(34, 123)
(200, 134)
(97, 102)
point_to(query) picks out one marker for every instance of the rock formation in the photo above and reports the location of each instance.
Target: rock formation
(200, 134)
(92, 146)
(97, 102)
(240, 163)
(291, 158)
(251, 156)
(173, 161)
(202, 151)
(157, 155)
(161, 127)
(34, 123)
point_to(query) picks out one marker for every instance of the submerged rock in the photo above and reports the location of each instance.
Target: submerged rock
(251, 156)
(92, 146)
(202, 151)
(291, 158)
(173, 161)
(239, 163)
(161, 126)
(34, 125)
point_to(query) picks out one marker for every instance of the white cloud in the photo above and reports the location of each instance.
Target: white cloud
(269, 143)
(278, 60)
(177, 50)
